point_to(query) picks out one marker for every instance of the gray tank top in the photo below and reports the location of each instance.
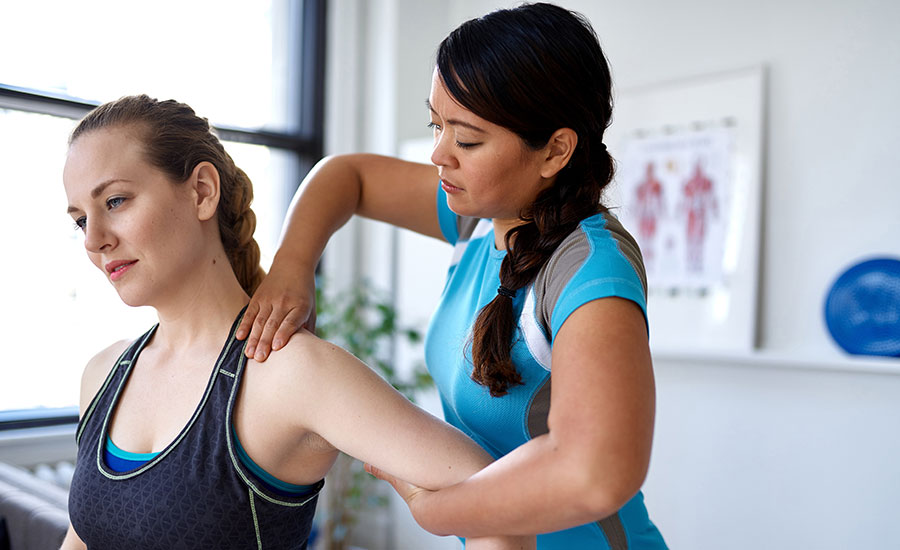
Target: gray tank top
(195, 493)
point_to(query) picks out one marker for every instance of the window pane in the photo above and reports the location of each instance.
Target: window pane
(230, 60)
(60, 310)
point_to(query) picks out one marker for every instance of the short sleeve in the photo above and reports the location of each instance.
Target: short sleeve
(598, 260)
(576, 295)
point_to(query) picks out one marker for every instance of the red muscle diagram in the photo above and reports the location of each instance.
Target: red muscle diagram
(699, 203)
(649, 207)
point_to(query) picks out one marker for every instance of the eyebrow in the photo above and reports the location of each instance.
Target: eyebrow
(95, 192)
(455, 122)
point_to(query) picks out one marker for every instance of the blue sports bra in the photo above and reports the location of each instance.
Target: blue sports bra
(121, 460)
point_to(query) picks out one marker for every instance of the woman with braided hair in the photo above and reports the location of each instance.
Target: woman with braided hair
(181, 443)
(539, 345)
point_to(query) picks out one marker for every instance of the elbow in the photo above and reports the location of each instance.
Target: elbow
(603, 491)
(604, 502)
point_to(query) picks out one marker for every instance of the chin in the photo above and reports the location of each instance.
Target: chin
(133, 303)
(130, 299)
(461, 209)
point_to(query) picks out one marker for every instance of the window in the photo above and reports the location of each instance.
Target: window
(254, 69)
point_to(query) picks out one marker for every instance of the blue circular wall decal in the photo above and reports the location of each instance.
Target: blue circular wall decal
(862, 309)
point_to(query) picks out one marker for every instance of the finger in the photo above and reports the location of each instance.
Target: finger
(290, 325)
(405, 489)
(384, 476)
(247, 320)
(264, 346)
(311, 321)
(374, 471)
(259, 324)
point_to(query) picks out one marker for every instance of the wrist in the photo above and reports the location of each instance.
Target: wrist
(294, 260)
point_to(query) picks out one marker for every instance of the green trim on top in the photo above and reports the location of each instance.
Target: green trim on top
(236, 462)
(82, 423)
(105, 428)
(268, 478)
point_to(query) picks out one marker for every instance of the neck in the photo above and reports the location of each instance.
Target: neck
(202, 308)
(501, 228)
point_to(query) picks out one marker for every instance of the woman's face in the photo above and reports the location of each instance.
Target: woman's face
(486, 170)
(139, 227)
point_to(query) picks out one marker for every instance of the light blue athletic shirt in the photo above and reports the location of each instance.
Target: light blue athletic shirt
(599, 259)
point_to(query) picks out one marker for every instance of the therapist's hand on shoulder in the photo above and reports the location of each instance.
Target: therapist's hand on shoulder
(284, 303)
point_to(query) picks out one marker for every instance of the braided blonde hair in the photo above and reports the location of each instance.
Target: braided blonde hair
(176, 140)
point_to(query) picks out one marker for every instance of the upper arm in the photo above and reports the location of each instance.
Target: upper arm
(92, 378)
(398, 192)
(72, 541)
(603, 396)
(359, 413)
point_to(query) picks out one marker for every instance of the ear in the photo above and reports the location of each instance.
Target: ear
(205, 186)
(560, 148)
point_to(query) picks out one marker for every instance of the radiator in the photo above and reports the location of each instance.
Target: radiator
(59, 474)
(32, 508)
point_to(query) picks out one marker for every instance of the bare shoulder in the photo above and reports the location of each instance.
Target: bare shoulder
(306, 380)
(306, 355)
(97, 369)
(318, 371)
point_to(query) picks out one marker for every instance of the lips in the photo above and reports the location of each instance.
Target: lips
(118, 268)
(449, 187)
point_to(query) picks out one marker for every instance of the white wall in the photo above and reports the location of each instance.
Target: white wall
(753, 454)
(833, 125)
(796, 446)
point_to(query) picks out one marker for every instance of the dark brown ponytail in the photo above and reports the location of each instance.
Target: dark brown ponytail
(176, 140)
(533, 70)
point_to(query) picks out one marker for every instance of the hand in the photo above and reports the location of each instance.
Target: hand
(283, 304)
(406, 490)
(414, 496)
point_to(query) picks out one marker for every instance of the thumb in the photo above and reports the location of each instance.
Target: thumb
(400, 486)
(378, 473)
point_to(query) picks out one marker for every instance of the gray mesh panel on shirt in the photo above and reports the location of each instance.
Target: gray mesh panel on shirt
(568, 258)
(465, 226)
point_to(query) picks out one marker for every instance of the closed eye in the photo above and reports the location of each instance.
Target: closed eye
(461, 144)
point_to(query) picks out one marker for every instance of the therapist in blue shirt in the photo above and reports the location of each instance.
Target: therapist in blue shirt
(539, 346)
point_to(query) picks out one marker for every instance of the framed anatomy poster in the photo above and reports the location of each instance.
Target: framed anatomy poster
(688, 187)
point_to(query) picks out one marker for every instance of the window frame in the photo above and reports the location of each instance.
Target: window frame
(307, 143)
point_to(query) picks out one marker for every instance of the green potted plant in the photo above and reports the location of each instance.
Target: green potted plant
(362, 321)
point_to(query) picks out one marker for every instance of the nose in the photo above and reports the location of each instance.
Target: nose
(442, 154)
(97, 237)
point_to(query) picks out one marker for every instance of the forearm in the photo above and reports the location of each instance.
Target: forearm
(327, 198)
(552, 489)
(501, 543)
